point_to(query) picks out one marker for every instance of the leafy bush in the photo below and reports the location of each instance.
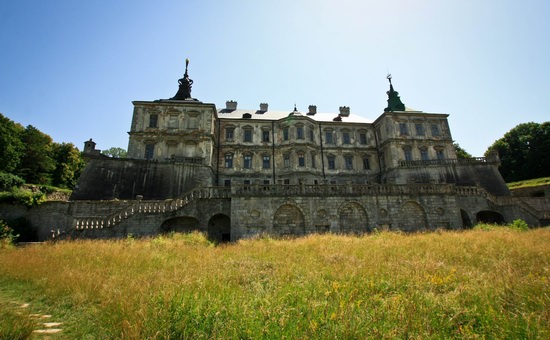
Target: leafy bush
(25, 197)
(7, 235)
(519, 224)
(8, 181)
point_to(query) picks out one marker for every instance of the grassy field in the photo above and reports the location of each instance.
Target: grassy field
(491, 283)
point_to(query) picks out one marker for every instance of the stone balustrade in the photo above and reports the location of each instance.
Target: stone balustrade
(442, 162)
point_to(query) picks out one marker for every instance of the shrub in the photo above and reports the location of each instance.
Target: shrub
(7, 235)
(8, 181)
(519, 224)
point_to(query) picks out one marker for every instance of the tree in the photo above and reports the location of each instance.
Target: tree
(69, 165)
(11, 146)
(524, 152)
(37, 163)
(460, 152)
(115, 152)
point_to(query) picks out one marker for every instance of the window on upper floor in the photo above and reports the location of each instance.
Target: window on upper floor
(266, 162)
(331, 162)
(265, 136)
(363, 138)
(403, 130)
(424, 154)
(301, 159)
(299, 132)
(229, 160)
(328, 137)
(439, 153)
(173, 122)
(286, 160)
(227, 183)
(346, 138)
(313, 164)
(435, 130)
(408, 153)
(366, 163)
(311, 135)
(348, 161)
(153, 121)
(247, 134)
(419, 129)
(247, 164)
(229, 134)
(193, 120)
(149, 150)
(285, 133)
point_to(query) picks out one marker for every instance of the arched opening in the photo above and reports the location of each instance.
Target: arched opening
(289, 220)
(183, 224)
(488, 216)
(353, 218)
(219, 228)
(413, 217)
(466, 221)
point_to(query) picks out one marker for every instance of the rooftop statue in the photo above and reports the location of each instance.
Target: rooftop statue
(185, 84)
(394, 102)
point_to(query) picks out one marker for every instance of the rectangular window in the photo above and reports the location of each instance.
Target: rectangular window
(149, 151)
(247, 135)
(328, 137)
(229, 133)
(286, 160)
(247, 161)
(301, 160)
(439, 154)
(366, 164)
(266, 164)
(228, 161)
(435, 130)
(424, 154)
(265, 136)
(349, 162)
(419, 129)
(408, 154)
(311, 135)
(285, 133)
(313, 165)
(346, 138)
(227, 183)
(299, 132)
(331, 162)
(363, 138)
(403, 129)
(153, 121)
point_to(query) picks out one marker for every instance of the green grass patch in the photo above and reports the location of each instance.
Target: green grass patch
(472, 284)
(529, 183)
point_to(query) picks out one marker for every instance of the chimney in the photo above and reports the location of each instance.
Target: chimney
(312, 110)
(230, 105)
(344, 111)
(263, 107)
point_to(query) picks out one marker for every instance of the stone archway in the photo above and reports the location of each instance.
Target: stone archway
(489, 216)
(185, 224)
(466, 221)
(289, 220)
(219, 228)
(413, 217)
(353, 218)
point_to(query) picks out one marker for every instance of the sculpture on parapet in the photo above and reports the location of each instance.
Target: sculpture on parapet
(394, 102)
(185, 84)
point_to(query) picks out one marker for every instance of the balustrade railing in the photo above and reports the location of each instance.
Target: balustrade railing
(151, 207)
(431, 162)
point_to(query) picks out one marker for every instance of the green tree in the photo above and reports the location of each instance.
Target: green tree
(68, 165)
(460, 152)
(11, 146)
(524, 152)
(115, 152)
(37, 163)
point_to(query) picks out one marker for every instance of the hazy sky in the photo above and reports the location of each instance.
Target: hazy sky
(72, 68)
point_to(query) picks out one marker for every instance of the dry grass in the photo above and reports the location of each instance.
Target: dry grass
(491, 284)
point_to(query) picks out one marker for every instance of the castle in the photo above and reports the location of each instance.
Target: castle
(234, 173)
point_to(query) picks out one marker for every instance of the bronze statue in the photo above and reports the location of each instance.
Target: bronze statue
(185, 84)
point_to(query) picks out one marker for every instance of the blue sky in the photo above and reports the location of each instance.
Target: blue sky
(72, 68)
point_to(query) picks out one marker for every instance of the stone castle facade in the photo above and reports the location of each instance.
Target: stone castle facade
(235, 173)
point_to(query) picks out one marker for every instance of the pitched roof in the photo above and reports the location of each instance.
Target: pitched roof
(276, 115)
